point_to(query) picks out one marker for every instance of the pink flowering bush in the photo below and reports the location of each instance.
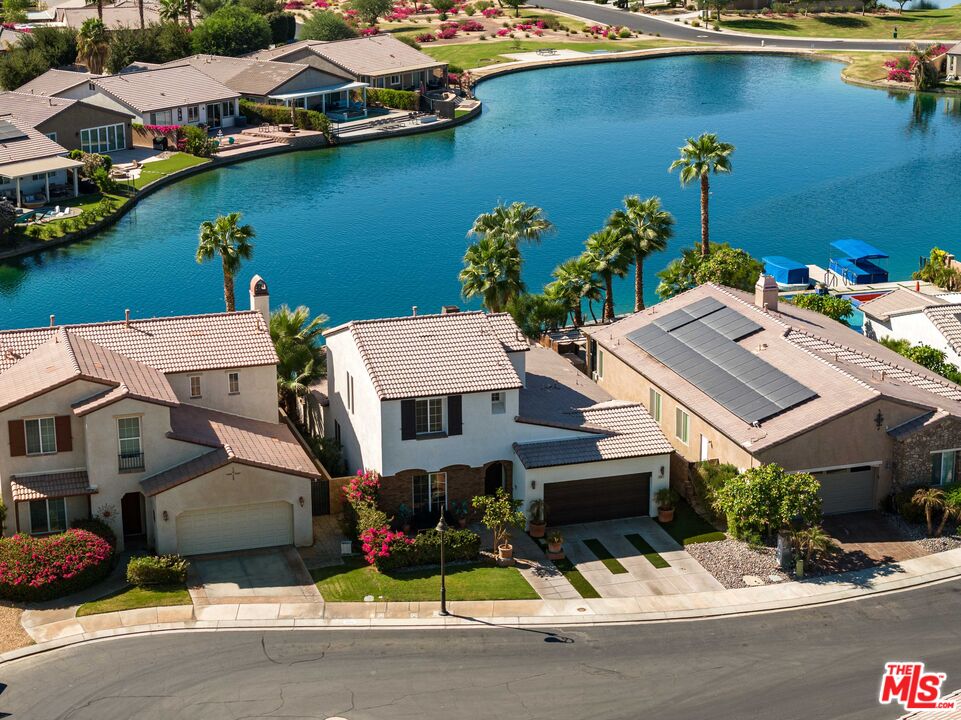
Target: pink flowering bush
(378, 544)
(294, 5)
(447, 33)
(899, 75)
(503, 32)
(42, 568)
(491, 12)
(368, 31)
(471, 26)
(321, 4)
(162, 129)
(425, 38)
(363, 487)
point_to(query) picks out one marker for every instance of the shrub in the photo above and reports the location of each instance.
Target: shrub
(156, 570)
(906, 508)
(326, 25)
(232, 30)
(424, 38)
(501, 514)
(98, 528)
(708, 478)
(397, 99)
(424, 549)
(257, 113)
(283, 27)
(764, 499)
(624, 33)
(836, 308)
(196, 141)
(42, 568)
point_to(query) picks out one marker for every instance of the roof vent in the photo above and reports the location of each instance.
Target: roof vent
(126, 317)
(448, 309)
(413, 310)
(53, 320)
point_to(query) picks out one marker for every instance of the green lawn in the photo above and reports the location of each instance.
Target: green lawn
(688, 527)
(604, 555)
(867, 67)
(152, 171)
(134, 597)
(575, 578)
(351, 582)
(644, 548)
(480, 54)
(938, 24)
(54, 229)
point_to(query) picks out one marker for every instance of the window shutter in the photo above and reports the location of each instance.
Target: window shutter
(18, 440)
(408, 420)
(455, 419)
(64, 436)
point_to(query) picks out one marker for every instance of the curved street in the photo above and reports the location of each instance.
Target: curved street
(818, 663)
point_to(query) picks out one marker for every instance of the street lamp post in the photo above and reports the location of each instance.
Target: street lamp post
(442, 528)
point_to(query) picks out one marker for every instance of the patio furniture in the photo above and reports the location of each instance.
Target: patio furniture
(35, 200)
(547, 51)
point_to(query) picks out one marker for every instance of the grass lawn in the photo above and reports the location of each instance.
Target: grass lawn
(134, 597)
(688, 527)
(604, 555)
(575, 578)
(152, 171)
(644, 548)
(351, 582)
(937, 24)
(867, 67)
(480, 54)
(460, 113)
(55, 228)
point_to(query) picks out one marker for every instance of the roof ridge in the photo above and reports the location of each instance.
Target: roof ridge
(62, 334)
(132, 321)
(816, 356)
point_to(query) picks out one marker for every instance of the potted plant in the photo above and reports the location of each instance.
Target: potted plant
(501, 513)
(404, 516)
(538, 523)
(666, 500)
(555, 540)
(461, 509)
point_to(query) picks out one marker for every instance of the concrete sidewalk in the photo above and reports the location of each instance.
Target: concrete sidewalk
(500, 613)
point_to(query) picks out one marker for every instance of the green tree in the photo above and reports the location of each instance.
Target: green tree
(92, 45)
(518, 223)
(172, 10)
(536, 314)
(701, 157)
(939, 271)
(15, 11)
(574, 282)
(326, 25)
(762, 500)
(492, 272)
(926, 356)
(836, 308)
(515, 5)
(442, 7)
(648, 227)
(501, 514)
(610, 254)
(18, 67)
(227, 239)
(369, 10)
(57, 45)
(298, 339)
(8, 217)
(732, 267)
(233, 31)
(173, 42)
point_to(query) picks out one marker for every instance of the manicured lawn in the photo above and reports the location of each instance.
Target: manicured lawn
(351, 582)
(53, 229)
(604, 555)
(479, 54)
(152, 171)
(938, 24)
(867, 67)
(645, 549)
(688, 527)
(575, 578)
(134, 597)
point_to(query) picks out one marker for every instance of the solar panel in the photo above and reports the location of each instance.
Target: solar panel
(9, 131)
(699, 344)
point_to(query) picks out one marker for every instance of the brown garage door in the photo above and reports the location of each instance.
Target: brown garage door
(605, 498)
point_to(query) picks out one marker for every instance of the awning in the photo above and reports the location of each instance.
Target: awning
(40, 165)
(314, 92)
(858, 249)
(50, 485)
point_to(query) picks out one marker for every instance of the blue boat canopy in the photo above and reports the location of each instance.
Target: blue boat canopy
(858, 249)
(786, 271)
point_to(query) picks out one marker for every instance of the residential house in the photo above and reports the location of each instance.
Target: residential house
(447, 407)
(904, 314)
(74, 124)
(61, 83)
(168, 428)
(953, 64)
(125, 13)
(33, 168)
(751, 380)
(381, 61)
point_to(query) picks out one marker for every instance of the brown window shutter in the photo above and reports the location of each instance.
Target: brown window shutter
(408, 420)
(64, 436)
(455, 418)
(18, 440)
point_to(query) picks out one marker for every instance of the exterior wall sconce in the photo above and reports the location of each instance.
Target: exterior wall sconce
(878, 420)
(301, 500)
(533, 484)
(165, 516)
(662, 471)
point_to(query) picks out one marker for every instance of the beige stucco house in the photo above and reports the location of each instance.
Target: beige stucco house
(73, 124)
(167, 428)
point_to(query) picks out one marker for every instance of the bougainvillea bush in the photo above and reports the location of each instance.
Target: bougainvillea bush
(43, 568)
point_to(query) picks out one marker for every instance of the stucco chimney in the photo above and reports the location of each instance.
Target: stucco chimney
(765, 292)
(260, 297)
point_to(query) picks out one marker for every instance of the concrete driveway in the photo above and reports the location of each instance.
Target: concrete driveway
(271, 575)
(685, 574)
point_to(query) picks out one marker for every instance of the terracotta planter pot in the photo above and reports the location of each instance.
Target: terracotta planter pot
(536, 530)
(505, 552)
(665, 515)
(554, 547)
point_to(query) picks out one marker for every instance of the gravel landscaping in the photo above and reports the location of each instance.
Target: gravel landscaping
(12, 634)
(730, 560)
(950, 540)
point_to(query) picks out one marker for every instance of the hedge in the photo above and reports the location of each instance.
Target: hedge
(97, 527)
(459, 546)
(257, 113)
(397, 99)
(43, 568)
(156, 570)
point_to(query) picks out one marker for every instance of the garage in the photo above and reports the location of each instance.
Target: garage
(847, 489)
(605, 498)
(241, 527)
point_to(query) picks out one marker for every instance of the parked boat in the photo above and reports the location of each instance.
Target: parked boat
(787, 273)
(852, 262)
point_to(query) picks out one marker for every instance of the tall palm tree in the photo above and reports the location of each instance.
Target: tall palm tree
(189, 10)
(517, 222)
(924, 73)
(100, 10)
(298, 339)
(92, 45)
(701, 157)
(609, 252)
(648, 227)
(575, 281)
(227, 238)
(143, 24)
(492, 271)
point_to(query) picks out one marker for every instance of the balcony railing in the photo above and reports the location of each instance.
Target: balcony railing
(130, 462)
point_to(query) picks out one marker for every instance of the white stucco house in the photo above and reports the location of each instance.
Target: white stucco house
(447, 407)
(167, 428)
(953, 65)
(904, 314)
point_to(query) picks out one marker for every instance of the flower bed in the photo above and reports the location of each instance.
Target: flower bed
(43, 568)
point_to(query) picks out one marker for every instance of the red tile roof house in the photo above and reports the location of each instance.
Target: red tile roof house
(751, 380)
(446, 407)
(169, 424)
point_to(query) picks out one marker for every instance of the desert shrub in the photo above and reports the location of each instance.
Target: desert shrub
(42, 568)
(624, 33)
(903, 505)
(156, 570)
(97, 527)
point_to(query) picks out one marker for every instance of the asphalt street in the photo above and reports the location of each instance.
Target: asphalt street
(820, 663)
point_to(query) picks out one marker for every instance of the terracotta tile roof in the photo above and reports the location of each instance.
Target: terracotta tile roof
(50, 485)
(422, 355)
(508, 333)
(947, 320)
(898, 301)
(172, 344)
(29, 144)
(54, 82)
(164, 88)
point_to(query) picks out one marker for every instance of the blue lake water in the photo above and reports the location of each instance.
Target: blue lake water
(371, 230)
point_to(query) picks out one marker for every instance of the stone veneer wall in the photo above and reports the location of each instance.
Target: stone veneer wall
(912, 455)
(463, 483)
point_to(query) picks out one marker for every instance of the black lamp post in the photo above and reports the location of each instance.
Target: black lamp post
(442, 528)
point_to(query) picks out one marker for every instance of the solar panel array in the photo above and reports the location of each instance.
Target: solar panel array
(699, 343)
(9, 131)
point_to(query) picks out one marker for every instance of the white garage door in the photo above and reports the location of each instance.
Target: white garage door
(235, 528)
(847, 490)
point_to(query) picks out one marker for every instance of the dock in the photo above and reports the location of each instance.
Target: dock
(837, 286)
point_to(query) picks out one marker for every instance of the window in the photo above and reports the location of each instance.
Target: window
(350, 392)
(195, 389)
(600, 364)
(682, 425)
(131, 450)
(233, 383)
(498, 403)
(227, 108)
(41, 436)
(654, 407)
(52, 136)
(395, 80)
(429, 416)
(164, 117)
(429, 493)
(193, 113)
(945, 467)
(49, 515)
(107, 138)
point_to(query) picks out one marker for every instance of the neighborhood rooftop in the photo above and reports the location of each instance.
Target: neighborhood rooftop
(19, 142)
(164, 88)
(947, 319)
(899, 301)
(372, 55)
(245, 75)
(32, 109)
(54, 82)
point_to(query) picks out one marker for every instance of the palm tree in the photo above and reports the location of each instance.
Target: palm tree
(492, 271)
(189, 10)
(231, 241)
(700, 157)
(92, 45)
(648, 227)
(813, 541)
(609, 253)
(929, 499)
(575, 281)
(924, 73)
(298, 339)
(171, 10)
(517, 222)
(143, 24)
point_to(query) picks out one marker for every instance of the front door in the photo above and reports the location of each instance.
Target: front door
(213, 115)
(493, 478)
(131, 507)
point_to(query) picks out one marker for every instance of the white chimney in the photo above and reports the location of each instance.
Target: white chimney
(413, 310)
(259, 297)
(765, 292)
